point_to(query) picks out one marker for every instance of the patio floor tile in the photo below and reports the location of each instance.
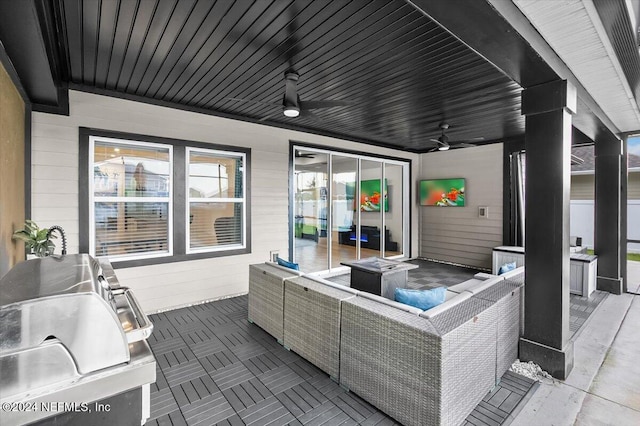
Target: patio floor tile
(214, 367)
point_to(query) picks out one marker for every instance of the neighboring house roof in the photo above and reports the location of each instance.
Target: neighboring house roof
(588, 167)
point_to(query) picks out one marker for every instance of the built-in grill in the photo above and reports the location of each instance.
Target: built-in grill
(71, 336)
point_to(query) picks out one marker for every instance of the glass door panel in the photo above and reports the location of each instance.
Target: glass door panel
(310, 210)
(344, 171)
(394, 212)
(372, 203)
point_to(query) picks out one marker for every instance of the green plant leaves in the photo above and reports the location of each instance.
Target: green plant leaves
(36, 240)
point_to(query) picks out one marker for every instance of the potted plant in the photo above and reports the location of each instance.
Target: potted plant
(36, 240)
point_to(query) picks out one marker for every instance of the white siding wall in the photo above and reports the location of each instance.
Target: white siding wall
(55, 188)
(582, 187)
(457, 234)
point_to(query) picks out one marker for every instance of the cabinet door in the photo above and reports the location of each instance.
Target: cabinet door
(576, 273)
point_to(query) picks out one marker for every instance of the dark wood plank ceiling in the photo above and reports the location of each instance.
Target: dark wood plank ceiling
(402, 72)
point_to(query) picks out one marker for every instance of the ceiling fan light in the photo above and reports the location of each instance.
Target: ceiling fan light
(291, 111)
(443, 148)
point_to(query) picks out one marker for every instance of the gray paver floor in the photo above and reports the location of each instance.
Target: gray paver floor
(214, 367)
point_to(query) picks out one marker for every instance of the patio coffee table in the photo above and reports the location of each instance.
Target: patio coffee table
(379, 276)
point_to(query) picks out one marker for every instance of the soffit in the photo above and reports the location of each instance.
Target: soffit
(573, 29)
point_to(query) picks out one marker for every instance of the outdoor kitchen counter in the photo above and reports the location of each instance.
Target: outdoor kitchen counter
(42, 381)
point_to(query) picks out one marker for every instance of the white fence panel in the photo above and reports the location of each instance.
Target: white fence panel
(582, 222)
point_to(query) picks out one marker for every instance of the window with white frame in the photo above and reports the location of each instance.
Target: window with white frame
(130, 192)
(153, 200)
(216, 201)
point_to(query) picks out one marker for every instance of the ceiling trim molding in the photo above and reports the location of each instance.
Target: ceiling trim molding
(55, 50)
(22, 37)
(13, 74)
(63, 103)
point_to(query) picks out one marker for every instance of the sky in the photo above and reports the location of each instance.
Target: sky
(633, 145)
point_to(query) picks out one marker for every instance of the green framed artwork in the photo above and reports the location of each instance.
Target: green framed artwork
(442, 192)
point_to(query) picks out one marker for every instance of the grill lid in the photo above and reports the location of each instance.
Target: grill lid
(50, 276)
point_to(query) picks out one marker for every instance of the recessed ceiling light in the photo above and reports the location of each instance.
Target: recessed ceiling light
(116, 149)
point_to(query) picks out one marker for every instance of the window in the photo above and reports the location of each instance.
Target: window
(216, 202)
(149, 200)
(131, 198)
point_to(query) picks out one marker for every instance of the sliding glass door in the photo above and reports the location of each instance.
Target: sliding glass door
(347, 207)
(371, 205)
(344, 172)
(394, 212)
(310, 209)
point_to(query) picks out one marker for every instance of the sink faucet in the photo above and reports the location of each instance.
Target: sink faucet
(62, 234)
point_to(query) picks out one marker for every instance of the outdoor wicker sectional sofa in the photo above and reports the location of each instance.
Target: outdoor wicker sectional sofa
(420, 367)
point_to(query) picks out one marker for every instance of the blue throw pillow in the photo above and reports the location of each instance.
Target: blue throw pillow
(288, 264)
(506, 268)
(421, 299)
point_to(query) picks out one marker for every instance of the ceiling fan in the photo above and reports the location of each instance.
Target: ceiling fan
(444, 144)
(291, 105)
(575, 160)
(301, 154)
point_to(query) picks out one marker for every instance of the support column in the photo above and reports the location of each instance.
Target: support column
(608, 205)
(548, 108)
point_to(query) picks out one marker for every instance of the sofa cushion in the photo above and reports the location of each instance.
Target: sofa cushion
(507, 267)
(483, 276)
(389, 302)
(448, 304)
(450, 294)
(328, 283)
(466, 285)
(422, 299)
(475, 286)
(288, 264)
(283, 268)
(519, 270)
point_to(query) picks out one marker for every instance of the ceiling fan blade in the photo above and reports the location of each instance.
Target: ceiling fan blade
(323, 104)
(308, 114)
(435, 140)
(270, 115)
(300, 154)
(251, 101)
(463, 145)
(575, 160)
